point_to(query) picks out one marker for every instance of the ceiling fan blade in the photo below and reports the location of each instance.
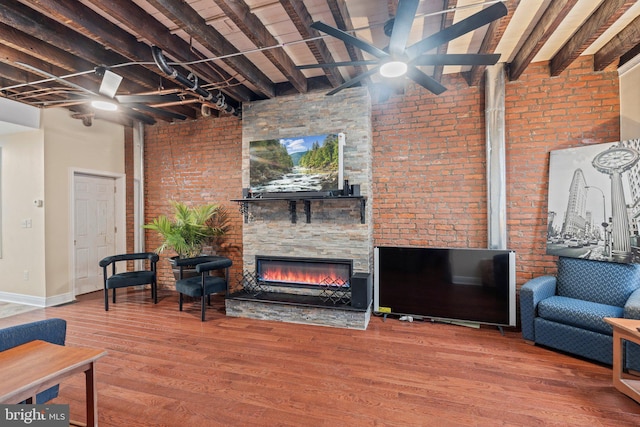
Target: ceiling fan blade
(348, 38)
(473, 22)
(158, 111)
(402, 23)
(139, 116)
(150, 98)
(457, 59)
(425, 81)
(337, 64)
(354, 80)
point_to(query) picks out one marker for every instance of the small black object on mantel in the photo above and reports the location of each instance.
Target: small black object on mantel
(355, 190)
(345, 188)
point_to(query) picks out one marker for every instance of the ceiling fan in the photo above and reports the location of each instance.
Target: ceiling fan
(106, 99)
(399, 59)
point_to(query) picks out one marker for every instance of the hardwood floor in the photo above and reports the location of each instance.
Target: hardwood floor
(166, 368)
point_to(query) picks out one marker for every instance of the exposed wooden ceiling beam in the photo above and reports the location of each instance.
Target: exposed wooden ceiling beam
(156, 33)
(490, 42)
(553, 15)
(254, 29)
(599, 21)
(43, 52)
(195, 25)
(85, 22)
(392, 7)
(446, 19)
(12, 57)
(343, 21)
(66, 36)
(58, 44)
(301, 18)
(12, 75)
(619, 45)
(52, 33)
(629, 55)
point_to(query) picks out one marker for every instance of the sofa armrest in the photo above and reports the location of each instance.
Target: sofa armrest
(50, 330)
(531, 293)
(632, 306)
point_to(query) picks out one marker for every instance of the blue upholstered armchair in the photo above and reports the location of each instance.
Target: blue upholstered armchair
(50, 330)
(565, 311)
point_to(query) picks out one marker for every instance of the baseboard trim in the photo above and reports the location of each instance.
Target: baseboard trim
(36, 301)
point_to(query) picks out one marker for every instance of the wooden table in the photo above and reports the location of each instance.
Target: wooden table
(624, 329)
(30, 368)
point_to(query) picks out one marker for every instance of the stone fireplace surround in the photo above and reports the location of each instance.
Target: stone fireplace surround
(336, 230)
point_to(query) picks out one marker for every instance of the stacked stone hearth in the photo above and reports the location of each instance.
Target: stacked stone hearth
(335, 230)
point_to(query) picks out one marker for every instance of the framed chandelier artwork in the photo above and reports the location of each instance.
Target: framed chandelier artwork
(594, 202)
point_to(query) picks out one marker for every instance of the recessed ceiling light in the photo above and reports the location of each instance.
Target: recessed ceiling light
(104, 105)
(393, 69)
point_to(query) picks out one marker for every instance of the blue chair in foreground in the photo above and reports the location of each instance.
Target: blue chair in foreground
(204, 284)
(50, 330)
(129, 278)
(566, 311)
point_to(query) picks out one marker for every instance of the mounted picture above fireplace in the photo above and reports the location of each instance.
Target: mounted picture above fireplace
(594, 199)
(300, 164)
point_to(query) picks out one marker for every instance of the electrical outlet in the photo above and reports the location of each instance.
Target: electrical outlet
(25, 275)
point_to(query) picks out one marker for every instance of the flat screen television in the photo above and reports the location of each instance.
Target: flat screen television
(459, 285)
(306, 164)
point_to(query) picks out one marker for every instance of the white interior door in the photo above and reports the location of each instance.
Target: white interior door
(94, 229)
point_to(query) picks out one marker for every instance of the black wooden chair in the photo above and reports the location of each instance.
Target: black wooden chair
(204, 284)
(129, 278)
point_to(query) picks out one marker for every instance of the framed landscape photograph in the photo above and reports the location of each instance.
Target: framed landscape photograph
(594, 202)
(299, 164)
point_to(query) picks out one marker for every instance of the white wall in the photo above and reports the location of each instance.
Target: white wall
(22, 267)
(630, 104)
(39, 165)
(69, 145)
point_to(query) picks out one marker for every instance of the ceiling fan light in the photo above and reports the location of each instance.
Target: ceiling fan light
(393, 69)
(104, 105)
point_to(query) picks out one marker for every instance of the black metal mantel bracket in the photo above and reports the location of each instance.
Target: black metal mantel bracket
(292, 211)
(292, 205)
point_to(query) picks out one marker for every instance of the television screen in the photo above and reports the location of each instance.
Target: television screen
(467, 285)
(306, 163)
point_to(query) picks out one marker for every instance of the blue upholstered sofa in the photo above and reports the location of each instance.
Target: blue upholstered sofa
(565, 311)
(50, 330)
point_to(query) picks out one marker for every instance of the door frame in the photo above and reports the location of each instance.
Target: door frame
(119, 212)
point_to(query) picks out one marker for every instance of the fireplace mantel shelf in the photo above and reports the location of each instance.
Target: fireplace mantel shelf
(292, 201)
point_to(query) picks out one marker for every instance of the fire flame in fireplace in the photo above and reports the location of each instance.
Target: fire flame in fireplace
(283, 274)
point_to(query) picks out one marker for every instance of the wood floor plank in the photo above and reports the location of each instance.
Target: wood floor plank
(167, 368)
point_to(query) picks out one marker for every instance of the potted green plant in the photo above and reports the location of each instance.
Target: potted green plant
(191, 229)
(218, 225)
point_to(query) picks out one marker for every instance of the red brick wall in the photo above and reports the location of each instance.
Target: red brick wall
(429, 158)
(195, 162)
(428, 168)
(544, 113)
(428, 165)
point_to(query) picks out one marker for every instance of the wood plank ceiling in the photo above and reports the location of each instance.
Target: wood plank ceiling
(244, 50)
